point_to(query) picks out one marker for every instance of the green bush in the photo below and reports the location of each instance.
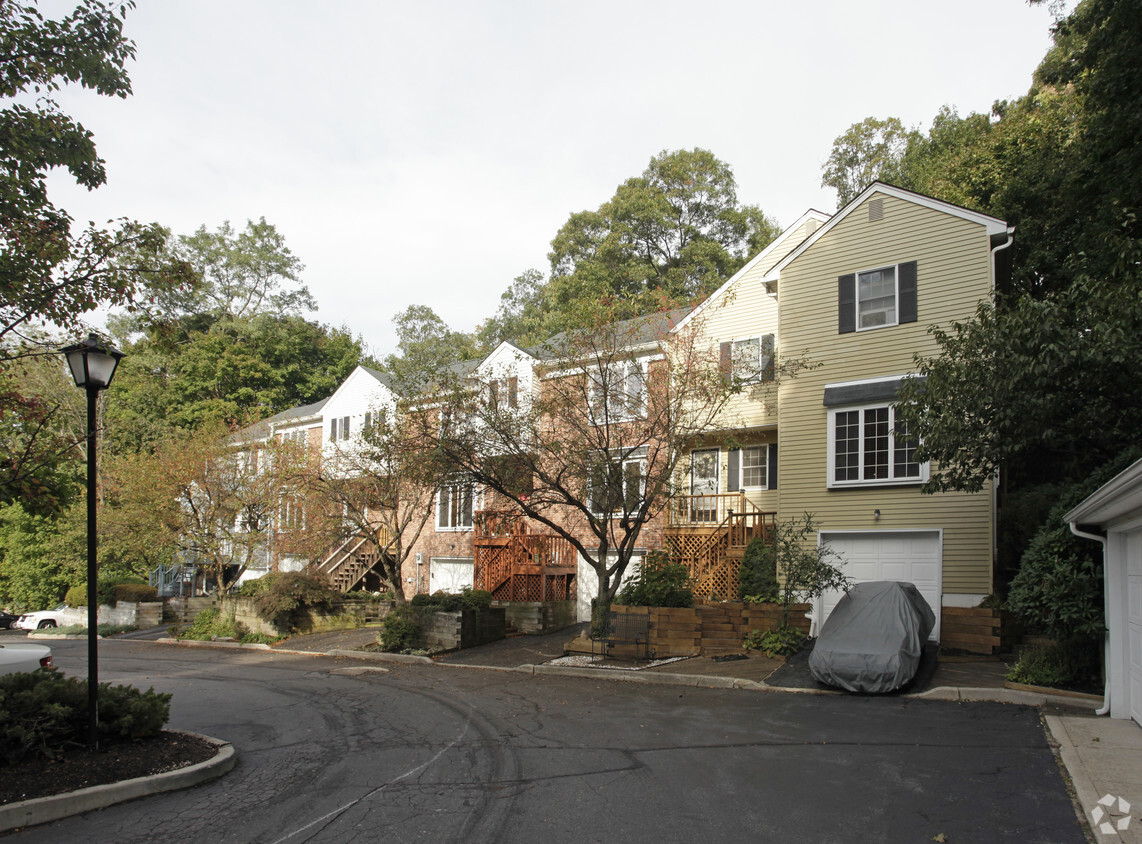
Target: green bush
(757, 575)
(782, 641)
(211, 623)
(287, 601)
(1059, 665)
(253, 638)
(400, 627)
(42, 712)
(466, 599)
(110, 592)
(258, 586)
(102, 630)
(660, 583)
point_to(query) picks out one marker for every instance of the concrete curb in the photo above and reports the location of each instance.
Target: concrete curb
(46, 809)
(995, 695)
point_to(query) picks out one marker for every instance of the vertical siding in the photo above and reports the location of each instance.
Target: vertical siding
(953, 271)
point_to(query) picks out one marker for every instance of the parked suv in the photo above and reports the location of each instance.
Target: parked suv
(41, 619)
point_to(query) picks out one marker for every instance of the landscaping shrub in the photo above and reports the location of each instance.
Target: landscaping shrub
(660, 583)
(781, 641)
(42, 712)
(465, 599)
(757, 576)
(110, 592)
(210, 624)
(1058, 665)
(400, 627)
(287, 601)
(258, 586)
(73, 629)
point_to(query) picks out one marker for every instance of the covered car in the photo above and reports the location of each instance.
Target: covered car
(873, 640)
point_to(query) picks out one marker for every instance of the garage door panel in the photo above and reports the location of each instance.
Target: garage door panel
(908, 557)
(451, 575)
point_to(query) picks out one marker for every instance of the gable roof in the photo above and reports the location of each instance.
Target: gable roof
(993, 225)
(265, 428)
(769, 253)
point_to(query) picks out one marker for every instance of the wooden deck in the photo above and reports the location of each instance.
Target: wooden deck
(515, 564)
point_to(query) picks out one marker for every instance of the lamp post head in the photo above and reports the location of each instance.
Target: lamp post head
(92, 363)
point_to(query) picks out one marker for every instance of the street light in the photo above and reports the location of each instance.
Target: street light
(92, 364)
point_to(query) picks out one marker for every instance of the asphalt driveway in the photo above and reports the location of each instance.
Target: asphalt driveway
(338, 749)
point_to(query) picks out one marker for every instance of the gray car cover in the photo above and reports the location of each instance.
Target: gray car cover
(873, 639)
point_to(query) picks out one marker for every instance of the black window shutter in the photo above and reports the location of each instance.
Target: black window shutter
(734, 482)
(725, 359)
(771, 466)
(767, 367)
(846, 304)
(907, 286)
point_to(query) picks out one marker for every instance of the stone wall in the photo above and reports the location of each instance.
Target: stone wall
(448, 631)
(124, 613)
(344, 615)
(536, 617)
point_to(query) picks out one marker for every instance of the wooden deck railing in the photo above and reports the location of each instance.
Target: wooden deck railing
(516, 565)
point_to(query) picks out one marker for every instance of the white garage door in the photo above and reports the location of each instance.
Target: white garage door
(1134, 623)
(450, 574)
(911, 556)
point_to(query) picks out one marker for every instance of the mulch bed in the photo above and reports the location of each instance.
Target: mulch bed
(79, 767)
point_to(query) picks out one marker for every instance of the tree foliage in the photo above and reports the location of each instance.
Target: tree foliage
(48, 271)
(865, 152)
(425, 344)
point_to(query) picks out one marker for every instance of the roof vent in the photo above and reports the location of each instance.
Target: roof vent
(876, 209)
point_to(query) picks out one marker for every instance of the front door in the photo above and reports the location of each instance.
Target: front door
(704, 485)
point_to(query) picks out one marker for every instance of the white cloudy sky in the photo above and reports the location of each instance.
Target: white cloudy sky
(427, 152)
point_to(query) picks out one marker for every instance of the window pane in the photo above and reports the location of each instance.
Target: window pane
(876, 297)
(847, 444)
(876, 443)
(747, 354)
(904, 464)
(632, 485)
(753, 466)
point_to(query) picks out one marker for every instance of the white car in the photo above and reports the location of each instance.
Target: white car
(41, 619)
(24, 657)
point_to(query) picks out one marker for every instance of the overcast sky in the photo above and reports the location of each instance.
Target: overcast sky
(427, 152)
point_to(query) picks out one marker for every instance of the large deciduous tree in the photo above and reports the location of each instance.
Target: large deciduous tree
(49, 271)
(865, 152)
(669, 236)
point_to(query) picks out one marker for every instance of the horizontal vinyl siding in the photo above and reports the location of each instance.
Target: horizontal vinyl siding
(953, 259)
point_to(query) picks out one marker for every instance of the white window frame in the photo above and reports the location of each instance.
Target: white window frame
(636, 457)
(860, 326)
(862, 480)
(631, 406)
(746, 363)
(764, 449)
(291, 514)
(444, 505)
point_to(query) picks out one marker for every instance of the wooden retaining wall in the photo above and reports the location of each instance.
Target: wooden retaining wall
(976, 630)
(537, 617)
(708, 629)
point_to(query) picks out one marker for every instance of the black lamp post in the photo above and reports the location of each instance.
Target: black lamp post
(92, 365)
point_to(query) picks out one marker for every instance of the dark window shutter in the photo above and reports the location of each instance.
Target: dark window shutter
(725, 359)
(767, 364)
(513, 391)
(846, 304)
(771, 466)
(906, 282)
(333, 430)
(733, 483)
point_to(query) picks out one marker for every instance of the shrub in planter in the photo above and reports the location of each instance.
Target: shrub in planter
(660, 583)
(42, 711)
(400, 628)
(210, 624)
(781, 641)
(465, 599)
(290, 596)
(757, 575)
(258, 586)
(1059, 665)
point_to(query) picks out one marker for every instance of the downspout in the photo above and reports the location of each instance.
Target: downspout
(1010, 240)
(1105, 708)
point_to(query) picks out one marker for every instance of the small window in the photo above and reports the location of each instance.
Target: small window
(876, 298)
(866, 447)
(291, 514)
(455, 506)
(755, 469)
(618, 483)
(617, 393)
(749, 360)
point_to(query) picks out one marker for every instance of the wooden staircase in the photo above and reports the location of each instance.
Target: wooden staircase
(347, 565)
(709, 533)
